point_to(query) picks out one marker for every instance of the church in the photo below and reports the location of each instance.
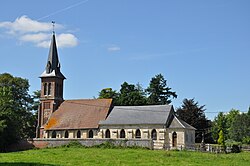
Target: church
(99, 119)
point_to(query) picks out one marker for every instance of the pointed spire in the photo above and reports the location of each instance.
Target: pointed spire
(53, 64)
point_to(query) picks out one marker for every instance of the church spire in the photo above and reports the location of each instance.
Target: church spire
(53, 65)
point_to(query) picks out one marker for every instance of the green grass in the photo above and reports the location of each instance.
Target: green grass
(103, 156)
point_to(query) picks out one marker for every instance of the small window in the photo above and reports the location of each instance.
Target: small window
(49, 89)
(107, 133)
(138, 133)
(78, 134)
(66, 134)
(154, 134)
(122, 134)
(45, 89)
(91, 134)
(46, 105)
(54, 134)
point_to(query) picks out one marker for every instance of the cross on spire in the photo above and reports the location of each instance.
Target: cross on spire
(53, 24)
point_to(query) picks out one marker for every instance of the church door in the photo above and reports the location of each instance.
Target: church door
(174, 140)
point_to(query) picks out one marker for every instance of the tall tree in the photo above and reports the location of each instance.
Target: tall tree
(131, 95)
(158, 91)
(193, 114)
(220, 125)
(240, 127)
(16, 118)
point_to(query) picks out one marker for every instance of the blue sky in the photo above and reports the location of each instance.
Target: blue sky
(201, 47)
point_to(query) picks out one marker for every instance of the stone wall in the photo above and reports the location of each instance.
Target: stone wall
(42, 143)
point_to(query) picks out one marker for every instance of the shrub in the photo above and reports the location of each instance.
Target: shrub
(235, 149)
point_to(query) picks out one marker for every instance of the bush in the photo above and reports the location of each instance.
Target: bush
(73, 144)
(235, 149)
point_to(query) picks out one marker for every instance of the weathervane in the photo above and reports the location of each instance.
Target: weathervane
(53, 24)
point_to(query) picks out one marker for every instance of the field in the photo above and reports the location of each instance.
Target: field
(104, 156)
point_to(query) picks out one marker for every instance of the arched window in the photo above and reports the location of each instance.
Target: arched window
(154, 134)
(66, 134)
(78, 135)
(174, 139)
(54, 134)
(138, 133)
(45, 89)
(49, 89)
(122, 134)
(91, 134)
(107, 133)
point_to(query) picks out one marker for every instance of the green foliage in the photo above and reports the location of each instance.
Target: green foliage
(246, 140)
(131, 95)
(73, 144)
(193, 114)
(158, 91)
(221, 139)
(219, 124)
(16, 118)
(235, 149)
(134, 95)
(240, 127)
(104, 156)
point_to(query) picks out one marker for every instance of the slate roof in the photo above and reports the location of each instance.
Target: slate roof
(180, 124)
(53, 65)
(79, 114)
(127, 115)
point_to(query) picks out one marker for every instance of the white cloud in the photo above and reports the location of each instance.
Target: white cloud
(35, 37)
(39, 33)
(114, 48)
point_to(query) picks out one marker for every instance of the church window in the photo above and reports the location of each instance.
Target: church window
(91, 135)
(66, 134)
(154, 134)
(138, 133)
(49, 89)
(54, 134)
(122, 134)
(78, 134)
(174, 139)
(45, 89)
(46, 105)
(107, 133)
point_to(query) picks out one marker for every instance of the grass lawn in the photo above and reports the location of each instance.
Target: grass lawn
(101, 156)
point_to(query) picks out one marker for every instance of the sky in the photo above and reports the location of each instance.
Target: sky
(202, 48)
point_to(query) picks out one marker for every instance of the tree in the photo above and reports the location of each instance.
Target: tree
(158, 91)
(16, 118)
(108, 93)
(240, 129)
(219, 124)
(193, 114)
(131, 95)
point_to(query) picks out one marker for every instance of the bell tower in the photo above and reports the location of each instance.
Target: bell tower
(51, 87)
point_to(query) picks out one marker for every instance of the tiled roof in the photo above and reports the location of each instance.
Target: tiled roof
(79, 114)
(178, 123)
(126, 115)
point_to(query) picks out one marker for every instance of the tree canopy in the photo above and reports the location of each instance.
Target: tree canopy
(16, 118)
(158, 91)
(193, 114)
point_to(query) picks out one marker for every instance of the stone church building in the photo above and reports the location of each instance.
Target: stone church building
(99, 119)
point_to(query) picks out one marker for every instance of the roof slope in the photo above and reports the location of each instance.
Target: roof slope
(125, 115)
(79, 114)
(178, 123)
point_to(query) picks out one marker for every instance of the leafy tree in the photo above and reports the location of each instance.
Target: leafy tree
(219, 124)
(193, 114)
(240, 129)
(131, 95)
(158, 91)
(221, 140)
(16, 118)
(109, 93)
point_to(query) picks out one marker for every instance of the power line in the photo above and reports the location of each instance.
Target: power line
(64, 9)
